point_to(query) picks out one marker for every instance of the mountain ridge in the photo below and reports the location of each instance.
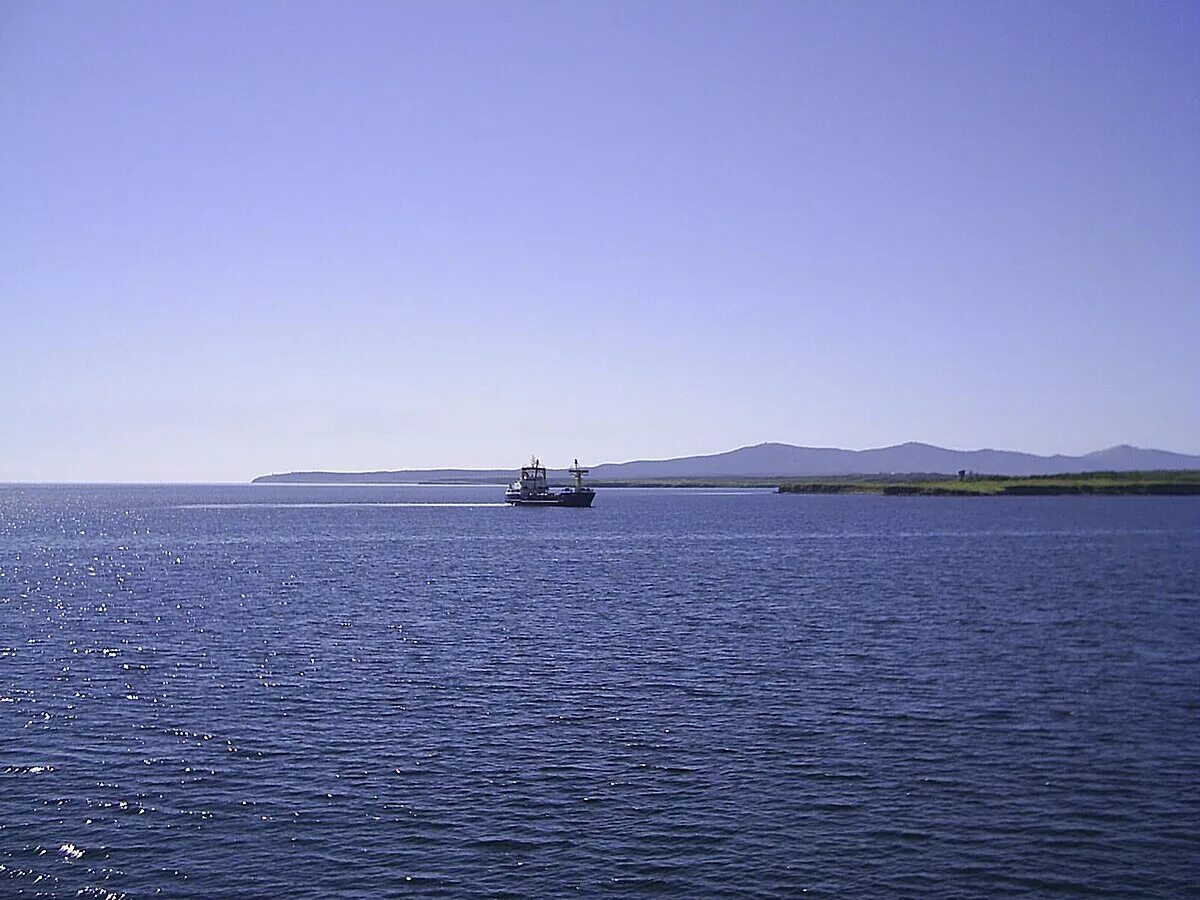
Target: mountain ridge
(772, 459)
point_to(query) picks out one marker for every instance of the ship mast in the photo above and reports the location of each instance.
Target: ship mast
(578, 472)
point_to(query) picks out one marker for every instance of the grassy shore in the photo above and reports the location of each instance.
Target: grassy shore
(1159, 483)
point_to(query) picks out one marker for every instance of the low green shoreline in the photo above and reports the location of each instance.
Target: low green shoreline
(1165, 483)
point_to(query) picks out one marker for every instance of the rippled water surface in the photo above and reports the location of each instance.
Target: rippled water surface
(311, 691)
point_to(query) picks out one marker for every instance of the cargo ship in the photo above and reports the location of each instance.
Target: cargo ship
(533, 489)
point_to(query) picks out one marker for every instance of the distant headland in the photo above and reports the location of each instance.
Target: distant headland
(774, 464)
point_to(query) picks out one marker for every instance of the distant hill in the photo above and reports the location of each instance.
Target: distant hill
(763, 460)
(785, 460)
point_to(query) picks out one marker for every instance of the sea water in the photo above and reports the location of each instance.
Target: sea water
(384, 691)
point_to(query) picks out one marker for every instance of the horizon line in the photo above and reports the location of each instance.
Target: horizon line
(218, 483)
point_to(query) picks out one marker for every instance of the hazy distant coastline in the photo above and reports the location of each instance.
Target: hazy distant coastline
(774, 463)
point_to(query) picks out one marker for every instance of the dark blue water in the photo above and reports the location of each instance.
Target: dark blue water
(311, 691)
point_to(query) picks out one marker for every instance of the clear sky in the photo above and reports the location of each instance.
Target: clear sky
(239, 238)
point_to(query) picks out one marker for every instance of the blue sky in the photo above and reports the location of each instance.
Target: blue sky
(238, 238)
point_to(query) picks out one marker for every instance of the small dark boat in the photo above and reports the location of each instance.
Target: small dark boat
(532, 488)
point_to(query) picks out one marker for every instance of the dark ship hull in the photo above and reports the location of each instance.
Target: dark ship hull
(562, 498)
